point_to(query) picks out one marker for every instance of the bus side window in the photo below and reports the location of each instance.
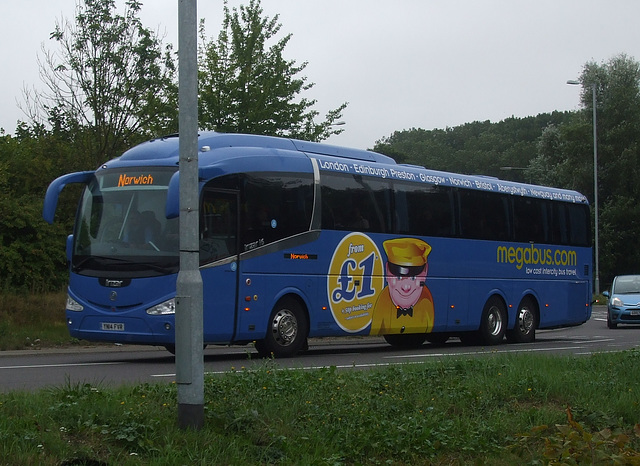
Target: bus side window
(531, 220)
(275, 206)
(424, 210)
(579, 221)
(355, 202)
(218, 223)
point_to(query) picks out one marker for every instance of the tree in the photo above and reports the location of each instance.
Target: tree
(247, 86)
(110, 83)
(565, 158)
(32, 256)
(480, 147)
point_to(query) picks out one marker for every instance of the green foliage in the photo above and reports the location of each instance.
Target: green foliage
(247, 86)
(489, 410)
(110, 83)
(616, 84)
(27, 261)
(474, 148)
(32, 253)
(572, 443)
(31, 319)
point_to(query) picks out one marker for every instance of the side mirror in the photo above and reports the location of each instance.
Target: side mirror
(606, 294)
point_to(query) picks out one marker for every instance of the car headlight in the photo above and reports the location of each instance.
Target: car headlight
(73, 305)
(165, 308)
(616, 302)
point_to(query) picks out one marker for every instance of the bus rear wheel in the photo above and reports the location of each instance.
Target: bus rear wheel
(409, 340)
(494, 321)
(287, 331)
(524, 330)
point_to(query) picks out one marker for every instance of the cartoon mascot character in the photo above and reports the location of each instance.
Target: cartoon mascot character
(405, 304)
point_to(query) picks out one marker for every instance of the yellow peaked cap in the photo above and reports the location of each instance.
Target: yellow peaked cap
(407, 252)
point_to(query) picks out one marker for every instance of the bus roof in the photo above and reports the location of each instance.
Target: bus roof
(221, 148)
(166, 149)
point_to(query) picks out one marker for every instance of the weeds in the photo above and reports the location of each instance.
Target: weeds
(501, 410)
(572, 443)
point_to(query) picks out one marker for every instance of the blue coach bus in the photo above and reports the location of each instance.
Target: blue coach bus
(300, 239)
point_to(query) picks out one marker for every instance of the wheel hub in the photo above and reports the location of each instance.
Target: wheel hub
(284, 327)
(495, 321)
(525, 320)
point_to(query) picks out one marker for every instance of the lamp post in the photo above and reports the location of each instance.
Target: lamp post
(595, 182)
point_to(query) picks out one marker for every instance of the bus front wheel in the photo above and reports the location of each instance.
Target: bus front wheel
(524, 330)
(287, 331)
(494, 321)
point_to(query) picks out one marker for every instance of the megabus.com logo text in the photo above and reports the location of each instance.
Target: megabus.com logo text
(533, 255)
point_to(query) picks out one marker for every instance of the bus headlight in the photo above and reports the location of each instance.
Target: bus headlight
(73, 305)
(167, 307)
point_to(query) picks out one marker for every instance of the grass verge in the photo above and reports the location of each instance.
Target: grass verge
(502, 410)
(33, 320)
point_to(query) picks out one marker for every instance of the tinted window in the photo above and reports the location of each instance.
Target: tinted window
(424, 210)
(272, 205)
(483, 215)
(531, 220)
(579, 225)
(571, 224)
(354, 202)
(275, 206)
(218, 225)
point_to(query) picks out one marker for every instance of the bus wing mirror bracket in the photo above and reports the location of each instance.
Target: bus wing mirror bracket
(172, 207)
(69, 248)
(55, 188)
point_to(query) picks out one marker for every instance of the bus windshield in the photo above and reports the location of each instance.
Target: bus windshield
(121, 225)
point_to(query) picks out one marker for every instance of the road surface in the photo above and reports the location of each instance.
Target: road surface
(112, 365)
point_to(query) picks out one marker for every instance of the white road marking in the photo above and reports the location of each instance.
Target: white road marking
(43, 366)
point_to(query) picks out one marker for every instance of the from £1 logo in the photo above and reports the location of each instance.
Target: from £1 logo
(356, 278)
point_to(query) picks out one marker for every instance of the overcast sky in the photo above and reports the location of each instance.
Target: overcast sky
(400, 64)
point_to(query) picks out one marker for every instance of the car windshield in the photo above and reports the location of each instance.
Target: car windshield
(122, 228)
(627, 285)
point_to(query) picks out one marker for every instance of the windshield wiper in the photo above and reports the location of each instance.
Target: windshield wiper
(84, 261)
(157, 268)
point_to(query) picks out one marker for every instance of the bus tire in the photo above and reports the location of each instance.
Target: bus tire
(287, 331)
(494, 321)
(524, 330)
(409, 340)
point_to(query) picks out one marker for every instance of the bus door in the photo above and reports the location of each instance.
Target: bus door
(219, 263)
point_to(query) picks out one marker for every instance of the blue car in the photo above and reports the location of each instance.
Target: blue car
(624, 301)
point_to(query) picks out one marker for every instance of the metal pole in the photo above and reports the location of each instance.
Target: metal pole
(189, 339)
(595, 189)
(595, 186)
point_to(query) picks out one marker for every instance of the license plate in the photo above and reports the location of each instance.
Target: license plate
(634, 313)
(113, 326)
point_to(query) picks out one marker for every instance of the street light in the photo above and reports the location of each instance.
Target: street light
(595, 181)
